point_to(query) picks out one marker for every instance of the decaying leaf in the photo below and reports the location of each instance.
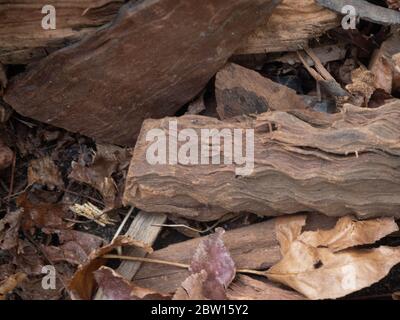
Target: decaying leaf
(350, 233)
(214, 258)
(42, 215)
(247, 288)
(44, 171)
(108, 159)
(192, 287)
(9, 227)
(362, 87)
(6, 156)
(314, 266)
(115, 287)
(288, 229)
(82, 284)
(91, 212)
(75, 246)
(10, 284)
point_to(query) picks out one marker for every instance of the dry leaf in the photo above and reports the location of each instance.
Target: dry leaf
(42, 215)
(350, 233)
(6, 156)
(10, 284)
(247, 288)
(288, 229)
(75, 246)
(115, 287)
(82, 283)
(9, 227)
(213, 257)
(192, 287)
(44, 171)
(108, 160)
(318, 273)
(313, 267)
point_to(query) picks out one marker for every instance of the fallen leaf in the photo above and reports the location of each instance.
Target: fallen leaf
(318, 273)
(288, 229)
(115, 287)
(6, 156)
(8, 285)
(247, 288)
(75, 246)
(314, 266)
(349, 233)
(108, 159)
(43, 171)
(9, 228)
(213, 257)
(192, 287)
(82, 284)
(42, 215)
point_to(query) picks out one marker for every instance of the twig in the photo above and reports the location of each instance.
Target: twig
(188, 227)
(10, 189)
(123, 223)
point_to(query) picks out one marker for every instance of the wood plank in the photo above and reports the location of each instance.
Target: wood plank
(142, 229)
(251, 247)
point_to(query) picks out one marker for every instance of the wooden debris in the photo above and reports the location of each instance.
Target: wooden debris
(252, 247)
(242, 91)
(365, 10)
(291, 26)
(157, 82)
(337, 164)
(91, 212)
(22, 38)
(141, 229)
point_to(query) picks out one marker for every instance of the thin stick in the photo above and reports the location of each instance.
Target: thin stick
(188, 227)
(122, 225)
(11, 188)
(174, 264)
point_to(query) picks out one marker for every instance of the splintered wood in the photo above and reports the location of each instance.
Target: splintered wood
(345, 163)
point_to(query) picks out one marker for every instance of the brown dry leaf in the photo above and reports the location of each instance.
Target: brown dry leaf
(43, 171)
(42, 215)
(108, 160)
(318, 273)
(349, 233)
(313, 267)
(82, 284)
(75, 246)
(115, 287)
(393, 4)
(288, 229)
(362, 87)
(247, 288)
(192, 287)
(8, 285)
(213, 257)
(9, 227)
(6, 156)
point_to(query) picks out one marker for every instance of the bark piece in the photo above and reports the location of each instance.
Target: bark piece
(22, 38)
(242, 91)
(177, 47)
(291, 26)
(364, 10)
(339, 164)
(252, 247)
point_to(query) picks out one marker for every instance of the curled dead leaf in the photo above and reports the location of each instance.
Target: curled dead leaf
(43, 171)
(82, 284)
(115, 287)
(320, 265)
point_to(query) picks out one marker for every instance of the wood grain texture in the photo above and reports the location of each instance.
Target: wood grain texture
(22, 38)
(253, 247)
(340, 164)
(292, 25)
(155, 57)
